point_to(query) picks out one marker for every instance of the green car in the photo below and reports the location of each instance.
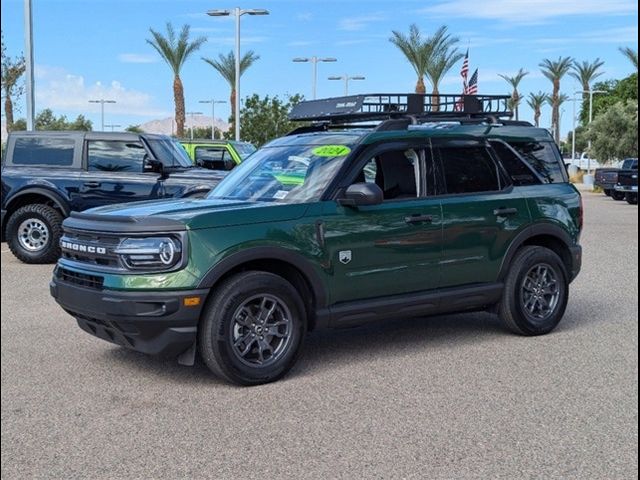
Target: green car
(217, 154)
(407, 207)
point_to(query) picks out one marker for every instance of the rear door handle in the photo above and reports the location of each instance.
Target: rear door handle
(419, 219)
(92, 184)
(503, 212)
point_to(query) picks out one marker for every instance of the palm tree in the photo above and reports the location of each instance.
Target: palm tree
(631, 54)
(515, 83)
(175, 50)
(555, 71)
(536, 101)
(585, 73)
(226, 66)
(444, 55)
(417, 50)
(560, 99)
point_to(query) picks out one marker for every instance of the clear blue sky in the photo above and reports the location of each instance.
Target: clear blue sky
(96, 48)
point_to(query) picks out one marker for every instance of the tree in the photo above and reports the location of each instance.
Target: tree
(585, 73)
(12, 70)
(536, 102)
(581, 139)
(226, 67)
(614, 91)
(555, 71)
(46, 120)
(515, 83)
(631, 54)
(444, 56)
(134, 129)
(614, 134)
(417, 50)
(175, 51)
(264, 119)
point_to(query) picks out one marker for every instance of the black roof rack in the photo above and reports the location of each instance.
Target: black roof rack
(385, 106)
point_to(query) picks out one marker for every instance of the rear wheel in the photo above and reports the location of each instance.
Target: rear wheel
(632, 198)
(617, 196)
(33, 233)
(252, 329)
(536, 292)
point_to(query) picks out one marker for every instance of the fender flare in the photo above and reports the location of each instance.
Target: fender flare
(50, 194)
(269, 253)
(530, 232)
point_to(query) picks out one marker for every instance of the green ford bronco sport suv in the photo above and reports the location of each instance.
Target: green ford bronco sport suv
(407, 207)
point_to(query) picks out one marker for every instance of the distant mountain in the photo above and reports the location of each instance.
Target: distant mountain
(167, 126)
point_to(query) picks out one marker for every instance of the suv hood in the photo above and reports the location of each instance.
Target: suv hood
(206, 213)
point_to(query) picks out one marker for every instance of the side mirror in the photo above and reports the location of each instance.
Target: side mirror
(362, 194)
(153, 165)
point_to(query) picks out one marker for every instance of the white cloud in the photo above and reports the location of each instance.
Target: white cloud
(529, 11)
(300, 43)
(356, 24)
(304, 17)
(67, 92)
(137, 58)
(618, 35)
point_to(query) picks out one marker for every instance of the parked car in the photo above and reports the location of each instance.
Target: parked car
(47, 175)
(583, 163)
(425, 213)
(607, 178)
(628, 185)
(217, 154)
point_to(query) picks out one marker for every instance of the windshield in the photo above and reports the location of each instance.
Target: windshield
(290, 174)
(244, 149)
(170, 153)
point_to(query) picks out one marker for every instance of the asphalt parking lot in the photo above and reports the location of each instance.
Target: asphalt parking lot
(440, 398)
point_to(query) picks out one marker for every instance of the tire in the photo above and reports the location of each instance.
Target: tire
(607, 192)
(617, 196)
(224, 324)
(632, 198)
(520, 290)
(33, 233)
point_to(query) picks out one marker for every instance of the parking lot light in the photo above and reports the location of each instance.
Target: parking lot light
(314, 62)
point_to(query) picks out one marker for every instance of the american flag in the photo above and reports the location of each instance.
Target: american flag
(464, 72)
(472, 88)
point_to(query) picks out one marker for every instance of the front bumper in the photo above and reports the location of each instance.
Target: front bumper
(576, 261)
(605, 185)
(627, 188)
(148, 322)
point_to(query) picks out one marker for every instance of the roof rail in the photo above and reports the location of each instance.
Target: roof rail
(385, 106)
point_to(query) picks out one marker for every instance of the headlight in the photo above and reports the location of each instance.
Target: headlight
(152, 253)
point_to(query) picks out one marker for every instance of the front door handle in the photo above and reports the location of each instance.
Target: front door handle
(419, 219)
(92, 184)
(504, 212)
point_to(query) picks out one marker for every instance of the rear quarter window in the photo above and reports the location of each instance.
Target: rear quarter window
(53, 152)
(545, 159)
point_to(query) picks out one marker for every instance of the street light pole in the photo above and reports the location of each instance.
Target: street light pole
(346, 79)
(191, 114)
(314, 71)
(28, 64)
(238, 12)
(213, 115)
(102, 101)
(591, 94)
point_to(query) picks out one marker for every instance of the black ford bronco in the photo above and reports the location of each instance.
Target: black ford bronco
(46, 175)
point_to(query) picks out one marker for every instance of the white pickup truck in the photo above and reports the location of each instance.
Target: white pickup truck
(583, 163)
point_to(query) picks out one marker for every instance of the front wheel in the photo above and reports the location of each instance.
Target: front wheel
(617, 196)
(536, 292)
(33, 233)
(252, 329)
(607, 192)
(632, 198)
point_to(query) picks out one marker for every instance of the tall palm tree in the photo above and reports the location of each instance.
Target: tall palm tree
(555, 70)
(226, 67)
(631, 54)
(560, 99)
(585, 73)
(175, 50)
(515, 83)
(444, 55)
(417, 50)
(536, 101)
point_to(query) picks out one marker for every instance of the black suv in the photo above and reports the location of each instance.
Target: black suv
(46, 175)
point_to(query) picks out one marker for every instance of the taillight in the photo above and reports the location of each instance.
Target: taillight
(581, 214)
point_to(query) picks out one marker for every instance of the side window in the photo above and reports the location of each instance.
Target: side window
(469, 170)
(520, 174)
(53, 152)
(545, 159)
(395, 172)
(115, 156)
(216, 158)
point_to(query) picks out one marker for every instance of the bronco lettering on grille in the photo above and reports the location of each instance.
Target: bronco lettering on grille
(78, 247)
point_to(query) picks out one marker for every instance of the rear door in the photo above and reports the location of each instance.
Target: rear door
(481, 209)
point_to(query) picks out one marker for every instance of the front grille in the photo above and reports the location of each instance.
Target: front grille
(80, 279)
(90, 249)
